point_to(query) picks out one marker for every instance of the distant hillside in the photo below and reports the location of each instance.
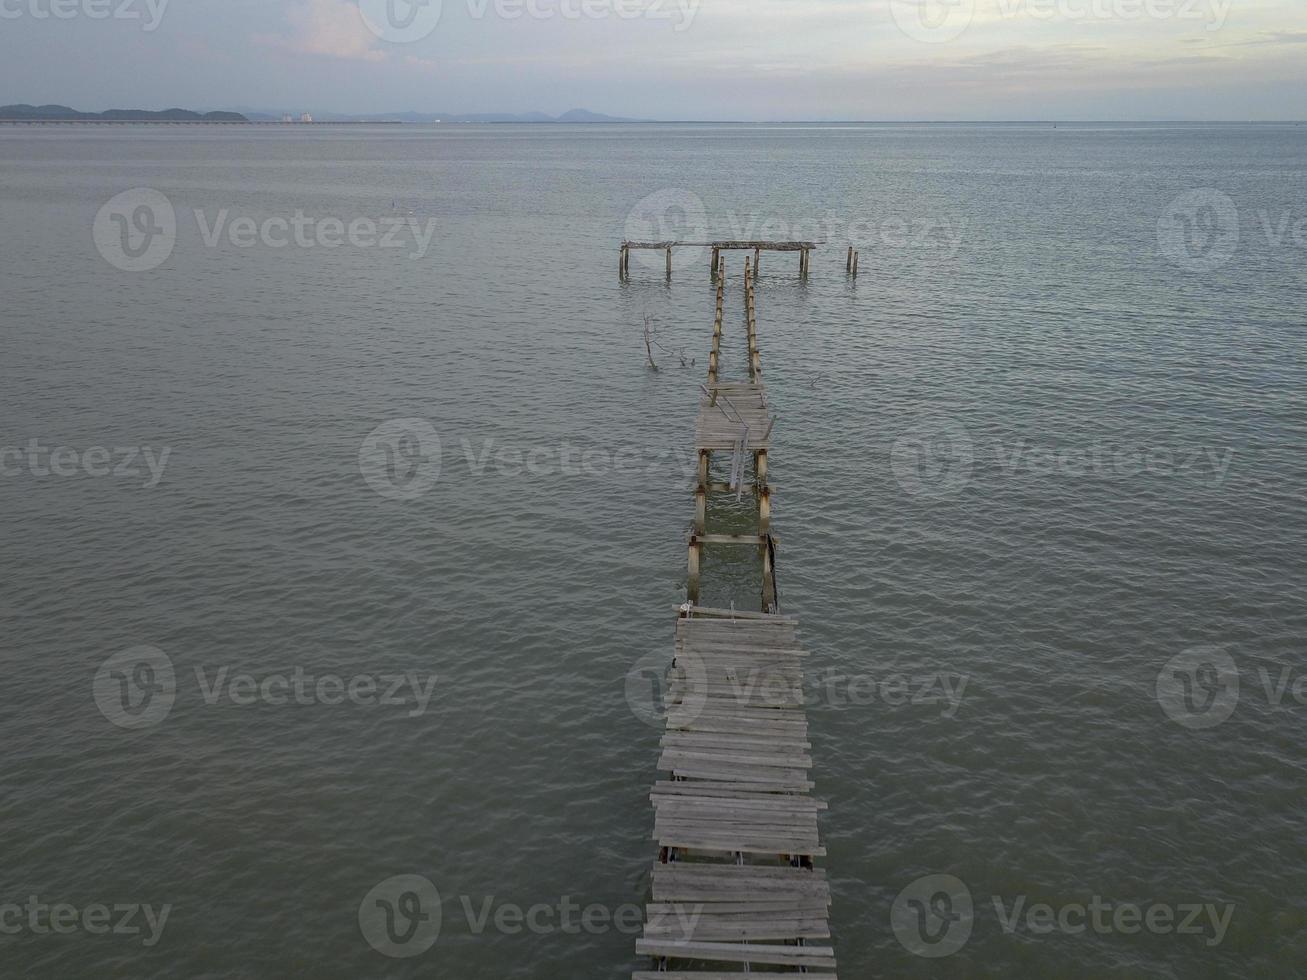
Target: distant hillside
(62, 113)
(264, 114)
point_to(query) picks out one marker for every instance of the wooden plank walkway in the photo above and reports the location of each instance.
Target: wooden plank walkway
(730, 411)
(734, 886)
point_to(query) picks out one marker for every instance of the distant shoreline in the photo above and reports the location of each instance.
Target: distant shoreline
(187, 122)
(21, 121)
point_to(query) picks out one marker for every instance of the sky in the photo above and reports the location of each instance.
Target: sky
(669, 59)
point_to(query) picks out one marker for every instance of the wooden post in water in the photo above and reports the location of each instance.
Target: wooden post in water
(848, 266)
(692, 570)
(856, 256)
(716, 255)
(669, 261)
(769, 598)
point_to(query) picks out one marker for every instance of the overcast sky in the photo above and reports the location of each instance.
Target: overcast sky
(669, 59)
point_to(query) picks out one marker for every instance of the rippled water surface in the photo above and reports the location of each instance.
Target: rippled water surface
(1039, 449)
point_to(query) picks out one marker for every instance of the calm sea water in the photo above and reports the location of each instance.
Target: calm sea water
(1050, 441)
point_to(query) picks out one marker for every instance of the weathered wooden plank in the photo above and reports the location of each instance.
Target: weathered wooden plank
(750, 805)
(712, 612)
(727, 929)
(809, 956)
(763, 909)
(722, 740)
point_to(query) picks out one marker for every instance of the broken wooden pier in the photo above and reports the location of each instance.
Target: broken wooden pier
(804, 249)
(735, 889)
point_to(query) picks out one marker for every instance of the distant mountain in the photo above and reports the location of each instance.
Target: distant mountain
(424, 118)
(62, 113)
(586, 116)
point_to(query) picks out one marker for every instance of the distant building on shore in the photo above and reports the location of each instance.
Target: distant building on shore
(306, 118)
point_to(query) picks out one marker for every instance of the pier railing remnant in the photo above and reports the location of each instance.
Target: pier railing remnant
(803, 248)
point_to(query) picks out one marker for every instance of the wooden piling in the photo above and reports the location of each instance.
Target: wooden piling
(848, 265)
(669, 261)
(692, 570)
(856, 256)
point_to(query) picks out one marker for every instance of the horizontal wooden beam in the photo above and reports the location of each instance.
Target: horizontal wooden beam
(754, 539)
(730, 246)
(713, 613)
